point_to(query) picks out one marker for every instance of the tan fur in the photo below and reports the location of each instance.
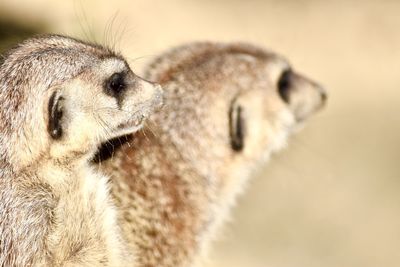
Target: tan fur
(175, 181)
(56, 210)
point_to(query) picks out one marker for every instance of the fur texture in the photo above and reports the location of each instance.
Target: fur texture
(224, 115)
(58, 104)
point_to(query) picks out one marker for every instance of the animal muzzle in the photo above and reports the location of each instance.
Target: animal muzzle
(153, 93)
(305, 96)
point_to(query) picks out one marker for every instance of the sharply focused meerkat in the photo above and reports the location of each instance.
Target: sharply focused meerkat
(60, 98)
(227, 108)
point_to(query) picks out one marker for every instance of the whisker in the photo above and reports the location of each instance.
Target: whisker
(149, 127)
(77, 15)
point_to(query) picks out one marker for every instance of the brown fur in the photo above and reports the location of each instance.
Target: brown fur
(175, 181)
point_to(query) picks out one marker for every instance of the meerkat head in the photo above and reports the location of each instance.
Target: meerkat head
(229, 106)
(270, 101)
(61, 98)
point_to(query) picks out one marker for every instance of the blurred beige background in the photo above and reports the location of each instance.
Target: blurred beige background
(332, 198)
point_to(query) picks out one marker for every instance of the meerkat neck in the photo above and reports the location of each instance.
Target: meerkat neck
(201, 149)
(59, 173)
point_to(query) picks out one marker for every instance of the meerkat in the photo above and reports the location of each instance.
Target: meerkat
(227, 108)
(60, 99)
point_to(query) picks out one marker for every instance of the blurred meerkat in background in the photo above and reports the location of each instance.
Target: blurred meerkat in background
(227, 108)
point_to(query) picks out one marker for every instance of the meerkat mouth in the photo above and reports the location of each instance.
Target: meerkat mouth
(132, 125)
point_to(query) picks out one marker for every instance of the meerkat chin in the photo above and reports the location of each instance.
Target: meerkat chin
(60, 99)
(227, 108)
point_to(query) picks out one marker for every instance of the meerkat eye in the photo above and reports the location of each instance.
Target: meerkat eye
(284, 84)
(115, 84)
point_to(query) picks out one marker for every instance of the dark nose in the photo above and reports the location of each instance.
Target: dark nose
(323, 94)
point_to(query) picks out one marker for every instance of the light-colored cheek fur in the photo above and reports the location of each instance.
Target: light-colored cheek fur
(263, 138)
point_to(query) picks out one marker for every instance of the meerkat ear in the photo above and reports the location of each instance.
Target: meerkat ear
(236, 126)
(55, 110)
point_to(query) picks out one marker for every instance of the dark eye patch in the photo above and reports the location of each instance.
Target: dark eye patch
(116, 84)
(285, 84)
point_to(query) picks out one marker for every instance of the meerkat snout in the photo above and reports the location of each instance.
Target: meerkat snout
(302, 95)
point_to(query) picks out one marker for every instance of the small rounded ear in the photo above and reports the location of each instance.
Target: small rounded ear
(236, 126)
(55, 110)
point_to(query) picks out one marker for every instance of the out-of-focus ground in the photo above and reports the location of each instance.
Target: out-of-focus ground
(332, 198)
